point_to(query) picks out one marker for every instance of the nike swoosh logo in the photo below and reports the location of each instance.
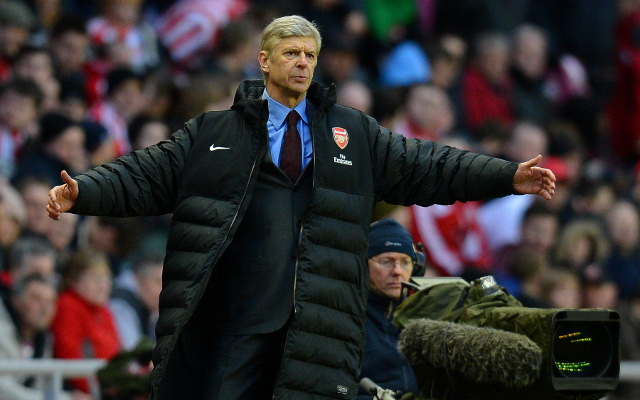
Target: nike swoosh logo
(214, 148)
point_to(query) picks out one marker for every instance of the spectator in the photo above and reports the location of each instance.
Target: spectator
(12, 217)
(123, 103)
(25, 320)
(599, 290)
(123, 37)
(145, 131)
(524, 277)
(623, 224)
(135, 309)
(36, 64)
(528, 73)
(205, 92)
(28, 256)
(526, 139)
(486, 85)
(33, 191)
(391, 257)
(447, 61)
(581, 243)
(561, 289)
(62, 236)
(61, 146)
(538, 232)
(74, 104)
(83, 326)
(16, 21)
(19, 106)
(114, 237)
(357, 95)
(428, 114)
(70, 47)
(235, 51)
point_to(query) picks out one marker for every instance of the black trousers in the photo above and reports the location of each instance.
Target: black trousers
(243, 367)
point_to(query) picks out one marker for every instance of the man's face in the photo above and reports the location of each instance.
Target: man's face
(70, 51)
(388, 270)
(36, 305)
(35, 195)
(17, 111)
(43, 264)
(94, 284)
(11, 39)
(9, 227)
(128, 99)
(289, 68)
(69, 148)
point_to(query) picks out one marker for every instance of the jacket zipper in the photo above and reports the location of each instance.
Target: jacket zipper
(295, 271)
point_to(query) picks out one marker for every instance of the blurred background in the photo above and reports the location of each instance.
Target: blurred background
(85, 81)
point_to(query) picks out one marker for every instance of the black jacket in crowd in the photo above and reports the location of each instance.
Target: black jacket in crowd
(209, 191)
(382, 362)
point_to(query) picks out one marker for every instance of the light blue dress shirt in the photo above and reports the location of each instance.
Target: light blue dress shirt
(277, 126)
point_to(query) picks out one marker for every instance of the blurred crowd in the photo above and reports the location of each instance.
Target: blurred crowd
(83, 82)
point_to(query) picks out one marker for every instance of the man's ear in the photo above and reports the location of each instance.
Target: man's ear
(263, 59)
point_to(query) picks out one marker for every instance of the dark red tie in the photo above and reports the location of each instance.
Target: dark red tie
(291, 155)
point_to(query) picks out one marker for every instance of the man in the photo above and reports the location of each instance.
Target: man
(25, 318)
(265, 278)
(29, 255)
(391, 257)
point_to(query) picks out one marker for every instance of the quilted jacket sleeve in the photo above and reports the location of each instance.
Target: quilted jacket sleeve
(144, 182)
(412, 171)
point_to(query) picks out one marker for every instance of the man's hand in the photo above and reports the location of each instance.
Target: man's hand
(62, 198)
(530, 179)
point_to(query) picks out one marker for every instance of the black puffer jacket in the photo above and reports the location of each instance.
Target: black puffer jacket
(208, 191)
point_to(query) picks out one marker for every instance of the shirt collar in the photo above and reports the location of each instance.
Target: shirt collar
(278, 112)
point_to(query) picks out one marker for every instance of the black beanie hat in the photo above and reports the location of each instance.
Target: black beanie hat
(52, 125)
(387, 235)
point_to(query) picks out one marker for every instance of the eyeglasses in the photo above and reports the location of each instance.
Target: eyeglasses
(388, 263)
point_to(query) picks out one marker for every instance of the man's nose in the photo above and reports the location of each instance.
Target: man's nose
(397, 269)
(303, 61)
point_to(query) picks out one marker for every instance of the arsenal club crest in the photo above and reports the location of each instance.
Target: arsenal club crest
(340, 136)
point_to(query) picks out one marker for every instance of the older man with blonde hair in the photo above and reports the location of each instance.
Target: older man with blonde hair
(266, 278)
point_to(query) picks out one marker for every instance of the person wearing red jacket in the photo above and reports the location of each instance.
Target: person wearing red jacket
(83, 326)
(486, 85)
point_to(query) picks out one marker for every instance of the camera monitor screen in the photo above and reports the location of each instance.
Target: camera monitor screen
(581, 349)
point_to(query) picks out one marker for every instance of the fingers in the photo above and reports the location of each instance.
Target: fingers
(545, 194)
(53, 208)
(531, 163)
(68, 180)
(53, 214)
(548, 173)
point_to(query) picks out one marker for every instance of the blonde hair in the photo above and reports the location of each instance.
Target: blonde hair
(283, 27)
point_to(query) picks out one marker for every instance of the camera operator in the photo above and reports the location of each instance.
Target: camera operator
(391, 258)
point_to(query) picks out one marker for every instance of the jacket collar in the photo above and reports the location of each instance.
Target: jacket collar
(248, 98)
